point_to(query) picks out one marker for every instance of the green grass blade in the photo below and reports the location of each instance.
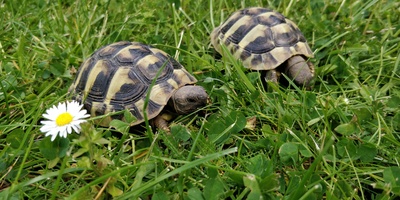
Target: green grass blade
(135, 193)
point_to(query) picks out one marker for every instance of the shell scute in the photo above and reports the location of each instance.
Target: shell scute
(270, 18)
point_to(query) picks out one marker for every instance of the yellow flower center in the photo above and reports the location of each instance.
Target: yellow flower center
(64, 119)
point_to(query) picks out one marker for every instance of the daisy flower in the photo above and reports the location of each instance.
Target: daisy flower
(62, 119)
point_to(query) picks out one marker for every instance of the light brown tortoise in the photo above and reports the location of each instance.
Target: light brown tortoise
(119, 76)
(264, 39)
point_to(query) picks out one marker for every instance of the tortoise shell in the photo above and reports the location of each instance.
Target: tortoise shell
(261, 38)
(119, 76)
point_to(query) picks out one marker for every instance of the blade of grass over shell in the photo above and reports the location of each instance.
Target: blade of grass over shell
(238, 69)
(149, 131)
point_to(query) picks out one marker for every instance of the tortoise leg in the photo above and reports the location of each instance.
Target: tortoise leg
(272, 76)
(161, 122)
(300, 71)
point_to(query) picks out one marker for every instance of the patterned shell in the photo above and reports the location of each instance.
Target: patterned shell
(261, 38)
(118, 77)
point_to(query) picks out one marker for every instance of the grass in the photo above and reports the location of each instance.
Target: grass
(339, 140)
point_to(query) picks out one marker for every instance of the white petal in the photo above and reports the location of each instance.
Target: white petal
(53, 133)
(82, 114)
(76, 128)
(63, 133)
(47, 116)
(62, 107)
(47, 122)
(52, 110)
(53, 137)
(47, 128)
(44, 129)
(69, 129)
(81, 121)
(74, 107)
(77, 122)
(51, 114)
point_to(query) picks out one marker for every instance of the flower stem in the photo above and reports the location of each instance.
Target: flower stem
(60, 174)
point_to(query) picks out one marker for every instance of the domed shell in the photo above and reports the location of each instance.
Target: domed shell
(119, 76)
(261, 38)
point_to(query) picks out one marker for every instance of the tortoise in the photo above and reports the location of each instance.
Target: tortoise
(264, 39)
(121, 75)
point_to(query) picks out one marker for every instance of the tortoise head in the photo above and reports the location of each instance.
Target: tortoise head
(301, 71)
(188, 99)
